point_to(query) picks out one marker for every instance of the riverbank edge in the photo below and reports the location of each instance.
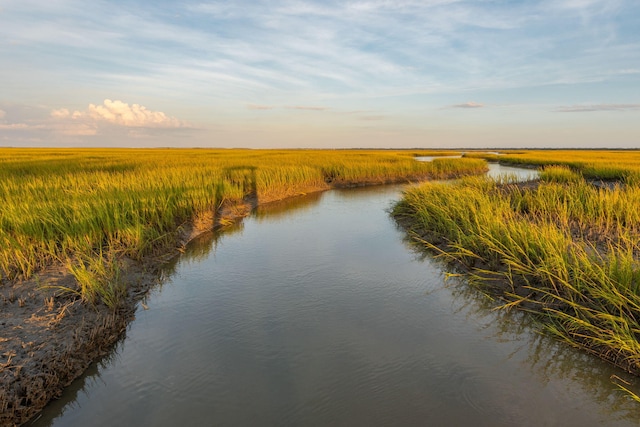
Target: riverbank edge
(52, 337)
(499, 289)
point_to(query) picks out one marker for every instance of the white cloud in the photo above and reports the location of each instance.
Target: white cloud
(598, 107)
(2, 114)
(121, 114)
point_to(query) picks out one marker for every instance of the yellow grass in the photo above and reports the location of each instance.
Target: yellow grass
(73, 206)
(596, 164)
(564, 248)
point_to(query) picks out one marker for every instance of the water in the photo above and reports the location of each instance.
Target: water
(495, 169)
(317, 311)
(522, 174)
(432, 158)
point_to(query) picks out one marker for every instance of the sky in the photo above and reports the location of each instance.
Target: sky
(320, 74)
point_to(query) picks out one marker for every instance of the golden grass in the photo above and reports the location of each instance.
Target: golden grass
(76, 206)
(563, 248)
(593, 164)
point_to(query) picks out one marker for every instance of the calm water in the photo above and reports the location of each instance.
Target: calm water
(317, 312)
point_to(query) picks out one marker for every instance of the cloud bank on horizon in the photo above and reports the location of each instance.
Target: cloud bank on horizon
(311, 73)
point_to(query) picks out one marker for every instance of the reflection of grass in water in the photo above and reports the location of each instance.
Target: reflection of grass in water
(546, 358)
(287, 207)
(60, 205)
(90, 379)
(564, 249)
(202, 246)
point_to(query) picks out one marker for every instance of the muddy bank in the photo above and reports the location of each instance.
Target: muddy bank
(518, 285)
(49, 336)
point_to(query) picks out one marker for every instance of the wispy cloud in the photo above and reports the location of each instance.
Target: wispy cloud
(598, 107)
(583, 4)
(72, 128)
(308, 108)
(203, 58)
(629, 71)
(2, 114)
(259, 107)
(13, 126)
(340, 49)
(469, 104)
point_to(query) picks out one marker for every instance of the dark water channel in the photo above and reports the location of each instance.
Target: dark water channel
(317, 312)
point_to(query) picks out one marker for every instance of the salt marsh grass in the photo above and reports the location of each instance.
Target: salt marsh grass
(76, 206)
(592, 164)
(562, 248)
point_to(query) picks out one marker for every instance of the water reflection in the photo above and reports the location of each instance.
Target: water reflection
(69, 401)
(324, 317)
(432, 158)
(554, 363)
(496, 170)
(550, 360)
(283, 209)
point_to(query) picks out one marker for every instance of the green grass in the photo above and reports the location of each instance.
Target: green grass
(76, 207)
(564, 249)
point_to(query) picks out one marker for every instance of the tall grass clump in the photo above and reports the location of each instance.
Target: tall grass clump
(58, 205)
(559, 174)
(561, 248)
(99, 277)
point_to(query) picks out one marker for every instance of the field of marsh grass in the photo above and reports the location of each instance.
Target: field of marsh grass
(562, 248)
(617, 165)
(83, 233)
(88, 208)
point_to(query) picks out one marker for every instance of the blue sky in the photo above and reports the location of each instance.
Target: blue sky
(360, 73)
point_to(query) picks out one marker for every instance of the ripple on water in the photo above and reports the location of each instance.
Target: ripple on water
(325, 317)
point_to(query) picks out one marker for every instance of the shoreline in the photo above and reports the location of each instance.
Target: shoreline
(51, 337)
(516, 290)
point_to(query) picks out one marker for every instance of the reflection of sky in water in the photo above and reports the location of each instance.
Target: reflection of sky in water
(432, 158)
(328, 317)
(496, 170)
